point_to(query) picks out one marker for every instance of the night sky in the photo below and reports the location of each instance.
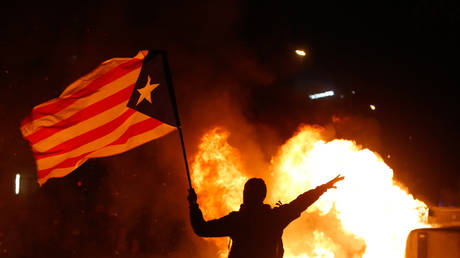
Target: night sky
(233, 63)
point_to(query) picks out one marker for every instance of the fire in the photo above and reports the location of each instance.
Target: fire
(217, 179)
(368, 216)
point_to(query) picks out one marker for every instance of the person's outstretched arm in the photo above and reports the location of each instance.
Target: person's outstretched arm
(213, 228)
(303, 201)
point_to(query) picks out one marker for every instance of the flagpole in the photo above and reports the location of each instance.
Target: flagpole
(176, 113)
(185, 157)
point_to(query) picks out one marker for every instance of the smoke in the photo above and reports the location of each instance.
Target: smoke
(213, 77)
(134, 204)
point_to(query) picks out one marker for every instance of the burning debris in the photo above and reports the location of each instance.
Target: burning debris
(370, 216)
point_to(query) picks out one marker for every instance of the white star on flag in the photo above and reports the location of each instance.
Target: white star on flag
(146, 92)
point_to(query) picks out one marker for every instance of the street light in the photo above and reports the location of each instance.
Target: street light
(328, 93)
(17, 184)
(300, 52)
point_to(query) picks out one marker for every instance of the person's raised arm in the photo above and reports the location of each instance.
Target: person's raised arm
(212, 228)
(303, 201)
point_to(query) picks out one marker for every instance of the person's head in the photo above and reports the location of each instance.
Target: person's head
(254, 191)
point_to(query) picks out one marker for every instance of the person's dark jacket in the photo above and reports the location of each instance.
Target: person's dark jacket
(256, 231)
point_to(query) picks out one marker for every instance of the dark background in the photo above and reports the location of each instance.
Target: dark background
(233, 64)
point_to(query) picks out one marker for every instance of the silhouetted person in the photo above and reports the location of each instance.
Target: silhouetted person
(255, 229)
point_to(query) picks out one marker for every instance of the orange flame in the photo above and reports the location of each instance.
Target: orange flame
(368, 216)
(217, 179)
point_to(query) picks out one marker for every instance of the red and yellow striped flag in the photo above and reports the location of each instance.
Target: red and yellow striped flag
(91, 118)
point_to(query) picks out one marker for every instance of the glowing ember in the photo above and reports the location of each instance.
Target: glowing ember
(368, 216)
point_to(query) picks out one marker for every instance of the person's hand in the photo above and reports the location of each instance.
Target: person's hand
(192, 198)
(331, 184)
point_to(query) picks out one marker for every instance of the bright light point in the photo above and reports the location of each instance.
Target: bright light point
(300, 52)
(17, 182)
(372, 107)
(321, 95)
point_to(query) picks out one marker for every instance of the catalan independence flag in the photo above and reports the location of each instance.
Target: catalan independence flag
(122, 104)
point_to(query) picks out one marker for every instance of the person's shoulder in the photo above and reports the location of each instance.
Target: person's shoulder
(233, 214)
(280, 208)
(274, 209)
